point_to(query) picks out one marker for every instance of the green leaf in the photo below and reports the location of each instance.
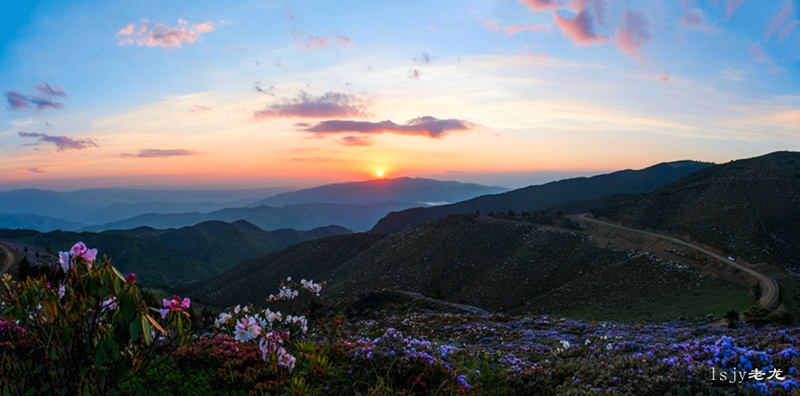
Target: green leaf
(136, 328)
(30, 392)
(46, 388)
(38, 370)
(146, 331)
(127, 307)
(112, 348)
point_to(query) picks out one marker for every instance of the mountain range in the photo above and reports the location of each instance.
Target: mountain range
(542, 196)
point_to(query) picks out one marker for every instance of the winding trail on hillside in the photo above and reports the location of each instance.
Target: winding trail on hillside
(770, 291)
(8, 259)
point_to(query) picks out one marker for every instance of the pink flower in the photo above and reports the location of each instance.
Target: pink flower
(89, 255)
(174, 305)
(77, 249)
(63, 261)
(130, 278)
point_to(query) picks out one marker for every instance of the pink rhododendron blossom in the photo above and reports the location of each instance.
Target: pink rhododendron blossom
(77, 249)
(130, 278)
(111, 304)
(174, 305)
(63, 261)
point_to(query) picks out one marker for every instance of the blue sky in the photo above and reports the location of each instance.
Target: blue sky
(301, 93)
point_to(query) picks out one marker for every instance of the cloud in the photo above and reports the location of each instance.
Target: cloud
(542, 5)
(694, 19)
(199, 109)
(533, 28)
(787, 30)
(422, 126)
(413, 75)
(332, 104)
(490, 25)
(580, 29)
(664, 77)
(267, 91)
(316, 159)
(156, 153)
(308, 42)
(36, 170)
(778, 20)
(356, 141)
(731, 6)
(62, 142)
(632, 32)
(46, 89)
(425, 58)
(162, 35)
(18, 101)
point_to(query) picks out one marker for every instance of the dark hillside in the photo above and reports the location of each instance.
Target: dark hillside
(750, 207)
(254, 280)
(172, 257)
(554, 193)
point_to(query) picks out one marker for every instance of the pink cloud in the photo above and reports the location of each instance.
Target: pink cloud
(542, 5)
(580, 29)
(533, 28)
(36, 170)
(126, 31)
(158, 153)
(203, 27)
(694, 19)
(309, 42)
(632, 32)
(162, 35)
(199, 109)
(422, 126)
(787, 30)
(731, 6)
(46, 89)
(664, 77)
(19, 101)
(490, 25)
(62, 142)
(356, 141)
(332, 104)
(778, 20)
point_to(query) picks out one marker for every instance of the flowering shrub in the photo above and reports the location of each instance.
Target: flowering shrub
(82, 334)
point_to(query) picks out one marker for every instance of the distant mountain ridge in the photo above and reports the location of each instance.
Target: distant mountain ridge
(171, 257)
(403, 189)
(553, 193)
(750, 207)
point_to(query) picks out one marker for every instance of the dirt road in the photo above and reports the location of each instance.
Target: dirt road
(770, 291)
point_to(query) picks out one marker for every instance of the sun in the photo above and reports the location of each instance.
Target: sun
(379, 173)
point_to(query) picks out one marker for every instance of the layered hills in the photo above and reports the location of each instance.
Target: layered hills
(750, 207)
(545, 195)
(490, 264)
(171, 257)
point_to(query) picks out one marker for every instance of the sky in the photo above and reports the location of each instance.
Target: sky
(247, 94)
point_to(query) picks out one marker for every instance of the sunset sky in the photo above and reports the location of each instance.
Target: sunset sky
(278, 93)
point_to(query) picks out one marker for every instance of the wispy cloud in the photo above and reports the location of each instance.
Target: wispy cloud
(413, 75)
(356, 141)
(542, 5)
(580, 29)
(424, 58)
(695, 19)
(35, 170)
(422, 126)
(157, 153)
(316, 159)
(517, 29)
(265, 91)
(731, 6)
(633, 31)
(62, 142)
(162, 35)
(778, 20)
(308, 41)
(489, 25)
(332, 104)
(199, 109)
(18, 101)
(664, 77)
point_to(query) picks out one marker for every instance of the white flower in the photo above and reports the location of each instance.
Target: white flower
(247, 329)
(223, 318)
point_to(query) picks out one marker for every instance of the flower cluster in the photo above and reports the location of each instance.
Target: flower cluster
(67, 261)
(174, 305)
(311, 286)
